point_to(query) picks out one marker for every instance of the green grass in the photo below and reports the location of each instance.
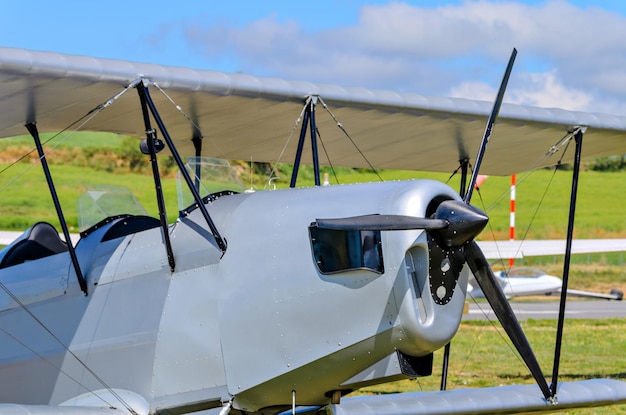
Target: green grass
(79, 139)
(542, 201)
(541, 210)
(27, 199)
(482, 357)
(84, 158)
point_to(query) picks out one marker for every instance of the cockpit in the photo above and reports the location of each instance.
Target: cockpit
(37, 264)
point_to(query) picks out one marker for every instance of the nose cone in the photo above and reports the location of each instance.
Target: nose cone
(466, 222)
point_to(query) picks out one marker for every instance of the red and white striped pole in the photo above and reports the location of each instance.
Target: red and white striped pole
(512, 217)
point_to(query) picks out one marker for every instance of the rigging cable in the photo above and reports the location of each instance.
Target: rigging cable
(455, 172)
(340, 125)
(65, 347)
(39, 355)
(330, 163)
(189, 118)
(317, 134)
(81, 122)
(563, 142)
(282, 152)
(74, 126)
(90, 115)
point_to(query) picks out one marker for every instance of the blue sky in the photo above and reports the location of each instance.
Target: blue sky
(572, 54)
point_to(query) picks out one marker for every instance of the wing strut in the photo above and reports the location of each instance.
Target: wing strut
(309, 118)
(578, 138)
(221, 243)
(196, 140)
(151, 143)
(32, 129)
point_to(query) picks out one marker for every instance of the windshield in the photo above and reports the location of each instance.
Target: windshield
(524, 272)
(103, 201)
(209, 175)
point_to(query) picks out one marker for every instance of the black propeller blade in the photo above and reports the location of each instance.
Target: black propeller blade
(453, 223)
(381, 223)
(500, 305)
(481, 269)
(489, 128)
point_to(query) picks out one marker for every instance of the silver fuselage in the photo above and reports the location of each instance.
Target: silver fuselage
(250, 326)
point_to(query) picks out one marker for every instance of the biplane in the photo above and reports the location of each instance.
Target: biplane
(270, 301)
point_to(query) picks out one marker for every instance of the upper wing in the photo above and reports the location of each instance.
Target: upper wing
(244, 117)
(520, 249)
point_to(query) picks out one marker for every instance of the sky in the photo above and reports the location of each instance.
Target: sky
(572, 53)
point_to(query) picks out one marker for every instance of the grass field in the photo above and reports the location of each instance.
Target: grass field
(541, 210)
(81, 159)
(482, 357)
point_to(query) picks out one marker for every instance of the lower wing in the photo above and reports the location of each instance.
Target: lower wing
(497, 400)
(520, 249)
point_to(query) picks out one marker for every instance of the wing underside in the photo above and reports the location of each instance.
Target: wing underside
(244, 117)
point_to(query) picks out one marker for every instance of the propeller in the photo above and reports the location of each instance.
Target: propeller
(451, 231)
(453, 223)
(482, 271)
(497, 300)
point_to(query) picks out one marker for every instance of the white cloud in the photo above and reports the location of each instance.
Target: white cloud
(546, 90)
(568, 56)
(475, 90)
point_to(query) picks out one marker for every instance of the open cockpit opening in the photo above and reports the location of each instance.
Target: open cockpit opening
(40, 241)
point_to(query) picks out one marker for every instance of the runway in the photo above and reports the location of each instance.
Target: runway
(550, 309)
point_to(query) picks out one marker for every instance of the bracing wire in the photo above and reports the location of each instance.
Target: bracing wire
(39, 355)
(282, 151)
(30, 166)
(76, 125)
(189, 118)
(330, 163)
(562, 143)
(317, 133)
(340, 125)
(62, 344)
(54, 366)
